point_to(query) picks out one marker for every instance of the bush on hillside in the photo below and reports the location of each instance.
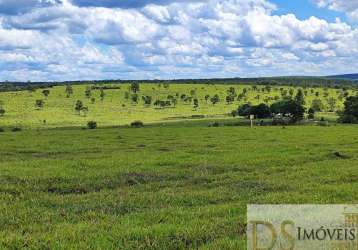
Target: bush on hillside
(137, 124)
(92, 125)
(16, 129)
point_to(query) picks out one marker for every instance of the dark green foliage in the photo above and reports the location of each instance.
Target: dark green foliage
(16, 129)
(261, 111)
(39, 104)
(230, 99)
(147, 100)
(289, 108)
(196, 103)
(311, 113)
(92, 125)
(134, 98)
(244, 110)
(207, 98)
(299, 98)
(2, 111)
(350, 112)
(137, 124)
(46, 92)
(78, 106)
(215, 99)
(88, 92)
(135, 87)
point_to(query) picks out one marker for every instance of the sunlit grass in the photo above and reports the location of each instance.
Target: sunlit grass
(163, 187)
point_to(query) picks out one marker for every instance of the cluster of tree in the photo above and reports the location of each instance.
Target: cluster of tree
(268, 81)
(287, 107)
(162, 103)
(230, 98)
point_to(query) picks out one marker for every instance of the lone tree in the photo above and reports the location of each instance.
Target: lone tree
(102, 94)
(147, 100)
(350, 112)
(196, 103)
(135, 87)
(79, 106)
(46, 92)
(69, 91)
(231, 91)
(215, 99)
(207, 98)
(92, 125)
(39, 104)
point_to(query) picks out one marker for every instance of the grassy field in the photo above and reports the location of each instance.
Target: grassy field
(115, 109)
(174, 184)
(163, 187)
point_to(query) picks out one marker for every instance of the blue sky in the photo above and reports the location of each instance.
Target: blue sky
(52, 40)
(304, 9)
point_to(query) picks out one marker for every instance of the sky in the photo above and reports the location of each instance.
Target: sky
(58, 40)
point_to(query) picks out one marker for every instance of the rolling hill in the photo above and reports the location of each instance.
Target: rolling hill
(353, 77)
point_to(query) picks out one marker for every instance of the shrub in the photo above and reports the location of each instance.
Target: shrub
(92, 125)
(137, 124)
(2, 130)
(16, 129)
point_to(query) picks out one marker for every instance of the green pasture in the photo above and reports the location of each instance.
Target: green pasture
(164, 187)
(115, 109)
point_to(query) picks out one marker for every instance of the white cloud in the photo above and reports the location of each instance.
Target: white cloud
(191, 39)
(348, 6)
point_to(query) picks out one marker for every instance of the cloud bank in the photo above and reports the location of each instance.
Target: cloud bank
(66, 40)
